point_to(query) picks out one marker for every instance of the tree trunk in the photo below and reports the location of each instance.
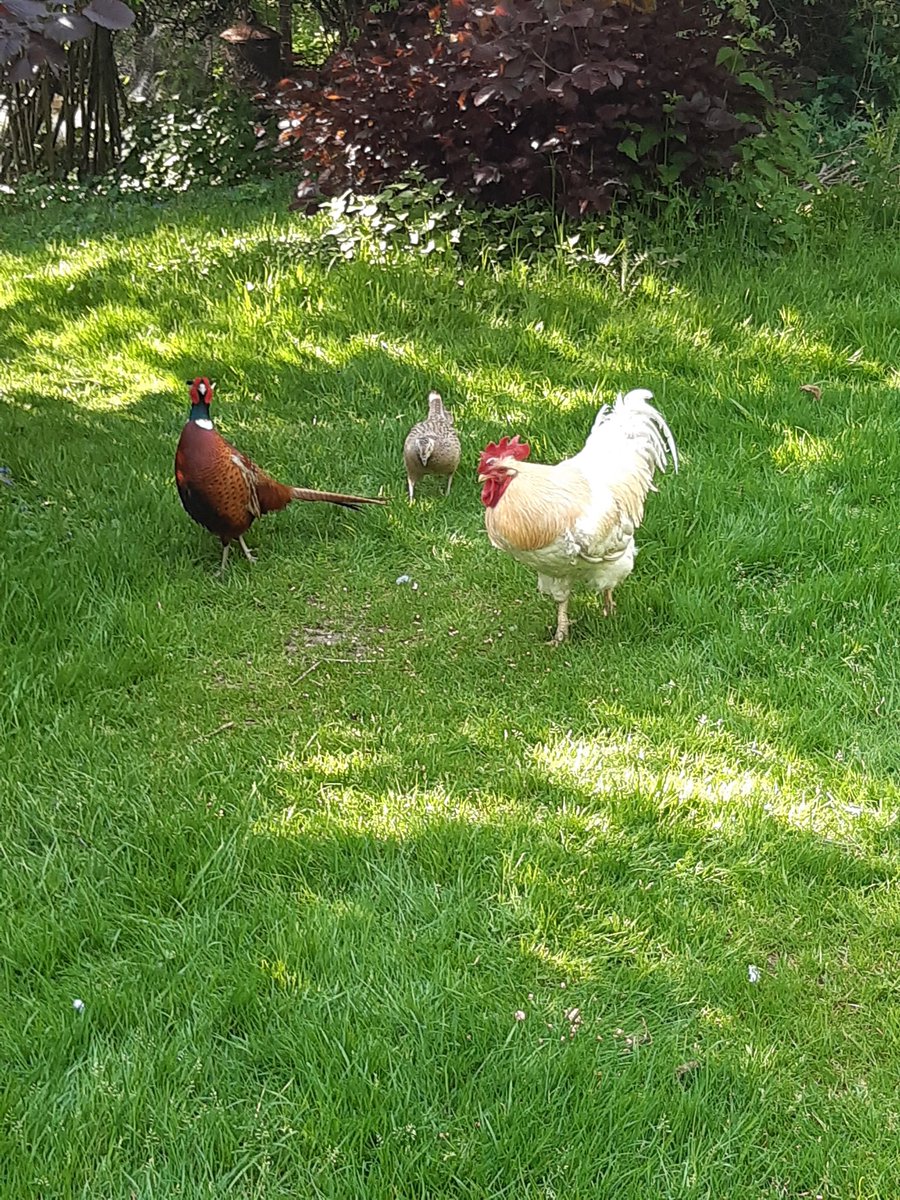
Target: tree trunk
(286, 29)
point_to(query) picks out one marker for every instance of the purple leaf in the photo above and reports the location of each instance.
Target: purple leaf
(22, 71)
(10, 45)
(29, 11)
(591, 77)
(111, 14)
(527, 14)
(41, 50)
(577, 19)
(68, 27)
(721, 121)
(486, 173)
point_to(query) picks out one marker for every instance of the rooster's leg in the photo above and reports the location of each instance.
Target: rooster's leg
(562, 623)
(609, 604)
(412, 489)
(449, 481)
(246, 550)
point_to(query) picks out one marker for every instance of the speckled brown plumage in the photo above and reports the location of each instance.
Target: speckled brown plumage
(431, 446)
(222, 489)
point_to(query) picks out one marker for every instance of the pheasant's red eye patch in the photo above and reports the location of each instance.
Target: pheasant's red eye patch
(201, 390)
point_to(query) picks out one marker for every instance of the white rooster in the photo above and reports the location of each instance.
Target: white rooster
(574, 522)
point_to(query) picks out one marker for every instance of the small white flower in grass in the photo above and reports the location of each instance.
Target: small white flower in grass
(519, 1015)
(78, 1005)
(753, 974)
(401, 579)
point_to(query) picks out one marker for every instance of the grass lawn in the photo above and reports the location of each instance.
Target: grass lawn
(308, 843)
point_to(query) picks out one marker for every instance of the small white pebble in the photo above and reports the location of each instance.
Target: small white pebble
(402, 579)
(78, 1005)
(753, 974)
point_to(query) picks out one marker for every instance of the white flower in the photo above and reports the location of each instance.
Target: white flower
(753, 974)
(78, 1005)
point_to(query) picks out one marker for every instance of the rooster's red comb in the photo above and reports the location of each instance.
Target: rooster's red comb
(507, 448)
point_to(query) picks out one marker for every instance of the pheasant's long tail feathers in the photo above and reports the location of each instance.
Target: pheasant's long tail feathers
(629, 443)
(436, 410)
(334, 497)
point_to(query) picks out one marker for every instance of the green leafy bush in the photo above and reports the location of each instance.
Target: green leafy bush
(844, 49)
(174, 145)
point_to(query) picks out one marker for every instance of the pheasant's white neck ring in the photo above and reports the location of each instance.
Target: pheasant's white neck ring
(203, 422)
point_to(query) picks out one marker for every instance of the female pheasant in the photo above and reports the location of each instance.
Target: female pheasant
(431, 446)
(222, 489)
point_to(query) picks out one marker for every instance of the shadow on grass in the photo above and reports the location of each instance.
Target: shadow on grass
(569, 962)
(329, 836)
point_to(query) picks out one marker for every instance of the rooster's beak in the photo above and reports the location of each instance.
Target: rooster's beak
(482, 478)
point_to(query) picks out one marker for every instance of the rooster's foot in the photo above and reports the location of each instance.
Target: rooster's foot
(562, 625)
(609, 604)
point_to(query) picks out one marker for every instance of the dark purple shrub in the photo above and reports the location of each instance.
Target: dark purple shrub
(33, 32)
(573, 101)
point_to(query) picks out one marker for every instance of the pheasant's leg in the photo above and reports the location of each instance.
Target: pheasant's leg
(412, 489)
(562, 623)
(246, 550)
(449, 481)
(226, 546)
(609, 604)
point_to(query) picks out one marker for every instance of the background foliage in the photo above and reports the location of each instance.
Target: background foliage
(846, 51)
(575, 104)
(764, 105)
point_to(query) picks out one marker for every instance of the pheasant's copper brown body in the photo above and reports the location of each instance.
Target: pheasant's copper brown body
(222, 489)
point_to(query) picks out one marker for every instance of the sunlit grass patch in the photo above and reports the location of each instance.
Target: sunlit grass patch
(365, 891)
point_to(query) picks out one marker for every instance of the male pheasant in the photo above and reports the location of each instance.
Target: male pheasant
(222, 489)
(431, 446)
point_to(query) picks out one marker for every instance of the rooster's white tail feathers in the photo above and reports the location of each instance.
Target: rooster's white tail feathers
(633, 418)
(628, 443)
